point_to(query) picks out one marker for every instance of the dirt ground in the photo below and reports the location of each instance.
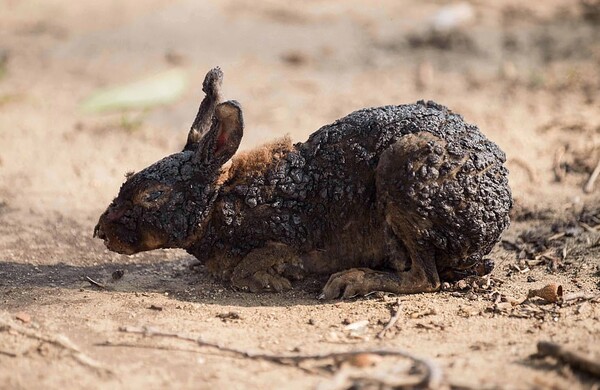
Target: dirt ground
(527, 73)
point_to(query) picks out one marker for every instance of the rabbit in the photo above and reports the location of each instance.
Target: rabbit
(395, 198)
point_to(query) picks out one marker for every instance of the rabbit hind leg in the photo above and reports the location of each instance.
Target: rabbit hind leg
(410, 256)
(421, 276)
(410, 272)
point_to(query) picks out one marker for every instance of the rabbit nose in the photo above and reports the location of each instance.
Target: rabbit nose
(99, 233)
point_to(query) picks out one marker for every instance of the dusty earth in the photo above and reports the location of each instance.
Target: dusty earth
(528, 73)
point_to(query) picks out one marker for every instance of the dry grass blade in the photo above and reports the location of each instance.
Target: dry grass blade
(95, 283)
(589, 185)
(393, 319)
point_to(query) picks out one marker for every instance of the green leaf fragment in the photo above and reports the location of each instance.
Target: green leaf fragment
(159, 89)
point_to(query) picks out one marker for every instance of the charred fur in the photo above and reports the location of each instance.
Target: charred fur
(388, 198)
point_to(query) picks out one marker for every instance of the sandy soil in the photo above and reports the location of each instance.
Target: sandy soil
(527, 74)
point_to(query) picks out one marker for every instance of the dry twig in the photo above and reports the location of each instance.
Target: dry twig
(432, 377)
(574, 359)
(93, 282)
(8, 353)
(142, 346)
(393, 319)
(60, 341)
(580, 295)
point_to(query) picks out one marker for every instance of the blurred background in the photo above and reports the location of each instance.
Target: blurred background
(527, 73)
(90, 90)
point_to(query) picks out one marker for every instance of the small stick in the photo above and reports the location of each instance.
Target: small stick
(433, 377)
(589, 186)
(8, 353)
(141, 346)
(60, 341)
(393, 319)
(97, 284)
(588, 227)
(556, 236)
(579, 295)
(167, 348)
(575, 359)
(559, 171)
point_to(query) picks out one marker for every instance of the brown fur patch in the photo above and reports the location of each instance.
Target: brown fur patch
(151, 240)
(248, 164)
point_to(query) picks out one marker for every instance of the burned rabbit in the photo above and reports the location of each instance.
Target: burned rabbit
(394, 198)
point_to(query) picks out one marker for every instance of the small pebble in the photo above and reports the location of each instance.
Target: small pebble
(364, 360)
(23, 317)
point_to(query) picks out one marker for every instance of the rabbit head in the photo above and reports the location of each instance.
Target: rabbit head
(168, 204)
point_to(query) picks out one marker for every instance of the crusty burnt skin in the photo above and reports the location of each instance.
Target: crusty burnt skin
(394, 198)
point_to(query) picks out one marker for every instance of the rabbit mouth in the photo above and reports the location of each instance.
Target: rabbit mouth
(126, 242)
(113, 244)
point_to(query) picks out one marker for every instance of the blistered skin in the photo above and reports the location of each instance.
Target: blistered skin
(329, 197)
(395, 198)
(157, 207)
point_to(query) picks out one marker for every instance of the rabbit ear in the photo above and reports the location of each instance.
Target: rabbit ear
(224, 137)
(212, 88)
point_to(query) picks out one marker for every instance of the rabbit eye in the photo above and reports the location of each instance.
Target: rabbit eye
(154, 195)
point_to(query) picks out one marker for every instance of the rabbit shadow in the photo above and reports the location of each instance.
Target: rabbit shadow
(58, 253)
(180, 277)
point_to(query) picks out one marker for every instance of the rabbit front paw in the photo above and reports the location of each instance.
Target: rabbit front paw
(269, 268)
(262, 281)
